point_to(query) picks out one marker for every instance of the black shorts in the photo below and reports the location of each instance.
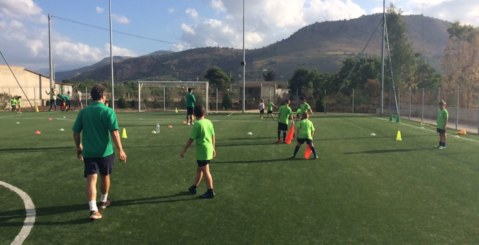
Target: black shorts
(282, 127)
(261, 111)
(270, 112)
(103, 165)
(202, 163)
(308, 141)
(189, 111)
(441, 130)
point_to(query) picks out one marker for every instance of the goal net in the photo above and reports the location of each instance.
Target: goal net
(170, 95)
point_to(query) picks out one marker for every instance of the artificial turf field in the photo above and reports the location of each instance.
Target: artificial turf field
(363, 189)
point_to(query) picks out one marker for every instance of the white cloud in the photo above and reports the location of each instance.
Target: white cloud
(192, 13)
(187, 29)
(99, 10)
(19, 8)
(120, 19)
(118, 51)
(218, 5)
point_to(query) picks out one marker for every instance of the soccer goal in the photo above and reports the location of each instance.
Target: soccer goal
(170, 95)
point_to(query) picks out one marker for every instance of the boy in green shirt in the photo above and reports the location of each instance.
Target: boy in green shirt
(442, 116)
(204, 135)
(305, 107)
(285, 114)
(190, 104)
(305, 134)
(270, 109)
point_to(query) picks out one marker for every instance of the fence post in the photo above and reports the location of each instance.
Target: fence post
(410, 102)
(325, 111)
(422, 105)
(164, 98)
(216, 100)
(353, 102)
(457, 108)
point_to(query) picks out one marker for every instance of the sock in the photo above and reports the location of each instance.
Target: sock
(296, 149)
(314, 151)
(279, 135)
(93, 206)
(284, 136)
(103, 197)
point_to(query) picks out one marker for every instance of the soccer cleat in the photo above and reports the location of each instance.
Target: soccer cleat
(208, 194)
(441, 147)
(94, 215)
(192, 190)
(189, 124)
(104, 205)
(316, 157)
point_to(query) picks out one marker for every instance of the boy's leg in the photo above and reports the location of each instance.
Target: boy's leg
(313, 149)
(199, 176)
(296, 149)
(208, 179)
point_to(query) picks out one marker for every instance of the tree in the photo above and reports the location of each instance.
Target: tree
(218, 78)
(401, 54)
(269, 76)
(461, 63)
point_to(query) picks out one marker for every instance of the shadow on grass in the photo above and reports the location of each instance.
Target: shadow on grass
(57, 210)
(386, 151)
(255, 161)
(42, 149)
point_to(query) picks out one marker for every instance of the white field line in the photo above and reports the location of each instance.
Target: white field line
(423, 128)
(30, 213)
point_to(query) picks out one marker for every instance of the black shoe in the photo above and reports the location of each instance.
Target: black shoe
(192, 190)
(208, 194)
(104, 205)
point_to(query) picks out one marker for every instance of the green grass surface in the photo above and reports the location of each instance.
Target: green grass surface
(363, 189)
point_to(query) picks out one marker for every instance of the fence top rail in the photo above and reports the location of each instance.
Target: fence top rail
(175, 82)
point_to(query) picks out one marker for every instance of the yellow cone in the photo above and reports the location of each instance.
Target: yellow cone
(176, 110)
(398, 136)
(123, 134)
(36, 109)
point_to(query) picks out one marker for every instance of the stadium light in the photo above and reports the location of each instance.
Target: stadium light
(111, 63)
(243, 63)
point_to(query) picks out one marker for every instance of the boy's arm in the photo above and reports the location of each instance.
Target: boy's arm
(77, 139)
(214, 146)
(188, 144)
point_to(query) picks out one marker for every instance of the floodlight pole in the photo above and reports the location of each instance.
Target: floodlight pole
(382, 57)
(243, 63)
(111, 63)
(50, 59)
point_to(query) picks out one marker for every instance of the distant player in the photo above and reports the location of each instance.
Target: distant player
(53, 99)
(271, 105)
(190, 105)
(204, 135)
(305, 134)
(261, 108)
(442, 116)
(305, 107)
(285, 114)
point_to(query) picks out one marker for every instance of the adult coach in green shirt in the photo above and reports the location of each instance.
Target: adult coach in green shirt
(285, 114)
(442, 116)
(93, 131)
(190, 105)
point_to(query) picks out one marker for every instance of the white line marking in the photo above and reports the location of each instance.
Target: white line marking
(29, 217)
(229, 115)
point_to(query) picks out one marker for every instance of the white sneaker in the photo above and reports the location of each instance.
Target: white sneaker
(441, 147)
(189, 123)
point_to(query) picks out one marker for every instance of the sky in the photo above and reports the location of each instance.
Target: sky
(80, 33)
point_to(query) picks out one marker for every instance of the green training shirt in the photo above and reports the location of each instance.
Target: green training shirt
(304, 107)
(190, 100)
(284, 113)
(270, 106)
(203, 133)
(442, 116)
(305, 129)
(95, 122)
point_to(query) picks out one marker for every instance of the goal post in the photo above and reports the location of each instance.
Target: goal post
(170, 95)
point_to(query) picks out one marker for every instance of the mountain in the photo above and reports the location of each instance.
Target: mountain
(62, 75)
(321, 46)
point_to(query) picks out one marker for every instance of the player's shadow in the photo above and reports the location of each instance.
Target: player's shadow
(39, 149)
(254, 161)
(19, 214)
(385, 151)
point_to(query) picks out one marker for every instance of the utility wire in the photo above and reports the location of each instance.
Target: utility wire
(106, 29)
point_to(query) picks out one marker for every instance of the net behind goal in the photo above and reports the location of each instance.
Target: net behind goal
(170, 95)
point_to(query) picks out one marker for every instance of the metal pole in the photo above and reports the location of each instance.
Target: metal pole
(382, 57)
(422, 107)
(111, 63)
(325, 102)
(164, 98)
(50, 58)
(216, 100)
(410, 103)
(353, 102)
(457, 108)
(139, 96)
(244, 66)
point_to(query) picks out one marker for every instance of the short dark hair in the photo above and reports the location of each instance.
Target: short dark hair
(97, 92)
(189, 89)
(301, 98)
(199, 111)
